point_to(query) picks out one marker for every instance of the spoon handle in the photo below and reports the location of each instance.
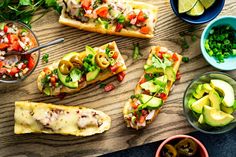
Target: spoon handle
(45, 45)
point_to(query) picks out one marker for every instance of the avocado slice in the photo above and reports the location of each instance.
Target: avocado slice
(171, 75)
(201, 119)
(215, 117)
(162, 80)
(191, 101)
(151, 69)
(47, 91)
(63, 80)
(215, 99)
(199, 91)
(68, 56)
(149, 102)
(226, 89)
(92, 74)
(228, 110)
(197, 106)
(149, 85)
(207, 87)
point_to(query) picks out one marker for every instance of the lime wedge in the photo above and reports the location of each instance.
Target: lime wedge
(207, 3)
(186, 5)
(197, 10)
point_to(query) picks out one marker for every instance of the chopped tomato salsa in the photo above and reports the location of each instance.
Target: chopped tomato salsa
(15, 37)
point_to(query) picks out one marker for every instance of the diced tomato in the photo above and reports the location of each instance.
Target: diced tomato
(131, 16)
(121, 76)
(142, 80)
(47, 71)
(109, 87)
(5, 29)
(1, 64)
(53, 80)
(30, 62)
(12, 38)
(23, 66)
(119, 27)
(3, 71)
(163, 96)
(115, 55)
(145, 30)
(141, 17)
(86, 4)
(102, 12)
(134, 106)
(144, 112)
(3, 46)
(178, 75)
(175, 57)
(141, 119)
(115, 67)
(13, 71)
(15, 46)
(160, 55)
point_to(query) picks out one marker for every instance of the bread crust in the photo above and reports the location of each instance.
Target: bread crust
(101, 77)
(138, 89)
(66, 20)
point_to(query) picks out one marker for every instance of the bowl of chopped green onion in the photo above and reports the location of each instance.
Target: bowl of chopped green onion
(218, 43)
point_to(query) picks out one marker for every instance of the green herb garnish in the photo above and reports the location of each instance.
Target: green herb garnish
(102, 85)
(45, 57)
(136, 51)
(185, 59)
(23, 10)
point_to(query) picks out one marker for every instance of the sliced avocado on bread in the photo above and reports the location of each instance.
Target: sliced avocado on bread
(149, 102)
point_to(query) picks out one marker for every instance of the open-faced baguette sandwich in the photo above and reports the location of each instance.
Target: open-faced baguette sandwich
(33, 117)
(116, 17)
(77, 70)
(153, 87)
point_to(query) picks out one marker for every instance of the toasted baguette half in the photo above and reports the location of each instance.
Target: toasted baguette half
(95, 27)
(105, 74)
(138, 89)
(31, 117)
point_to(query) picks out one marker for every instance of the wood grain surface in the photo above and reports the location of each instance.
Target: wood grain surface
(170, 121)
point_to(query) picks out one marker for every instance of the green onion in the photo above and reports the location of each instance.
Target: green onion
(102, 85)
(147, 77)
(185, 59)
(221, 42)
(194, 38)
(121, 18)
(45, 57)
(136, 51)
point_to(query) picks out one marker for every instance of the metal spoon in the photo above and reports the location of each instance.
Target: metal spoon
(35, 48)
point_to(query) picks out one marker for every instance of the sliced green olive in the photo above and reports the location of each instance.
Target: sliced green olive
(76, 61)
(186, 147)
(65, 67)
(102, 60)
(169, 151)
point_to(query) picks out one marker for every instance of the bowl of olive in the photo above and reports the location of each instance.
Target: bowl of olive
(181, 146)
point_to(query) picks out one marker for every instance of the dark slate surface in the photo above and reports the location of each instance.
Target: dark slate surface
(222, 145)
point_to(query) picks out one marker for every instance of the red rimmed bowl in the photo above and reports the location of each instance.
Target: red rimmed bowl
(201, 147)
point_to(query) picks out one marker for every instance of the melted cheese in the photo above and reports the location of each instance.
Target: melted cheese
(48, 118)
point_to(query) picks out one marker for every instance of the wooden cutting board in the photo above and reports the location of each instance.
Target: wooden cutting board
(169, 122)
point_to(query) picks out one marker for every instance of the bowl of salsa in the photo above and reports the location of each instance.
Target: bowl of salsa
(16, 36)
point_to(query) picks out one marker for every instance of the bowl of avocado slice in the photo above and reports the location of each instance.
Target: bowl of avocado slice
(209, 103)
